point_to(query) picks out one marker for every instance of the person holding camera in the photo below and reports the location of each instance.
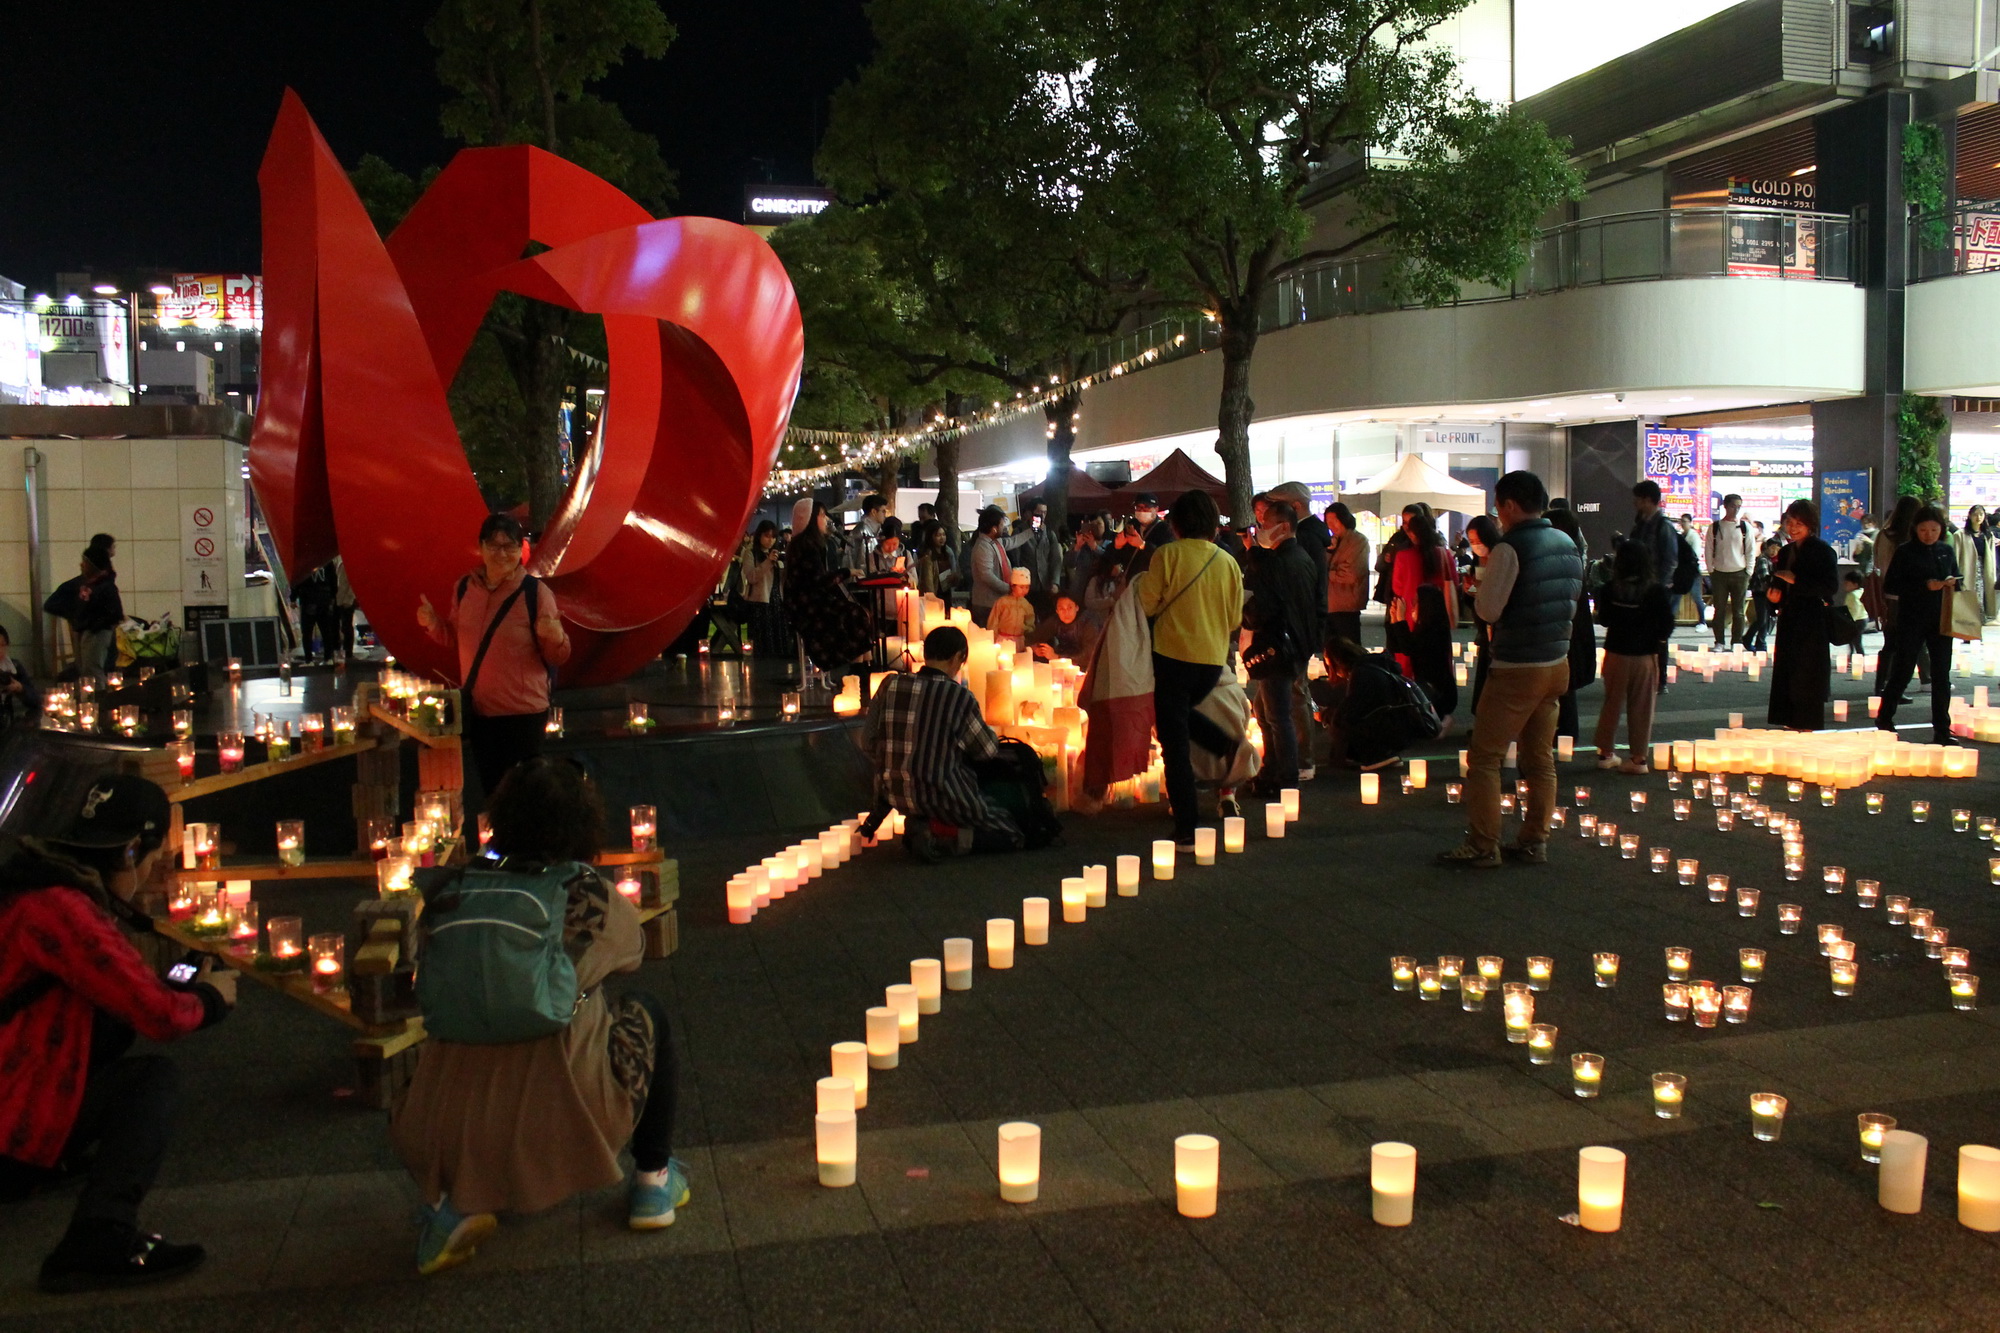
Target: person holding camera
(74, 995)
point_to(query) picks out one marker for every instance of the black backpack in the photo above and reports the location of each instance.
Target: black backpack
(1017, 783)
(1687, 566)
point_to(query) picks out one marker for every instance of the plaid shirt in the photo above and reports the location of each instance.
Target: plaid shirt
(923, 733)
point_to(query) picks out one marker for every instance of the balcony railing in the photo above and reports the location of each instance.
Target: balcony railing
(1649, 246)
(1965, 239)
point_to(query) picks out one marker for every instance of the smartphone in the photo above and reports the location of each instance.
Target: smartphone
(186, 970)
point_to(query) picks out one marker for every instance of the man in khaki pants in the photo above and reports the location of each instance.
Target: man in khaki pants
(1528, 595)
(1731, 551)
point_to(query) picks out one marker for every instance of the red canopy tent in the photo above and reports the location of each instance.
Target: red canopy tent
(1174, 475)
(1086, 492)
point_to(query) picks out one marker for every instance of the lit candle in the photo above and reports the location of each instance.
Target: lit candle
(958, 963)
(1746, 901)
(1669, 1094)
(1956, 958)
(1993, 870)
(902, 997)
(1607, 835)
(1767, 1116)
(1035, 913)
(1725, 820)
(1403, 972)
(850, 1061)
(1790, 917)
(1736, 1004)
(1961, 821)
(1628, 846)
(1979, 1187)
(1920, 812)
(1289, 798)
(835, 1096)
(1491, 966)
(1163, 858)
(1674, 1001)
(1682, 808)
(645, 827)
(1934, 942)
(292, 842)
(1920, 920)
(1420, 773)
(1873, 801)
(1964, 991)
(1392, 1176)
(630, 888)
(927, 975)
(1827, 935)
(1371, 789)
(1586, 1073)
(1898, 908)
(1828, 795)
(1454, 793)
(1873, 1127)
(1128, 876)
(885, 1037)
(1680, 961)
(1020, 1161)
(1600, 1188)
(1472, 992)
(1517, 1007)
(1274, 817)
(1541, 972)
(229, 751)
(1075, 905)
(329, 962)
(1605, 966)
(1706, 1002)
(1541, 1043)
(1197, 1168)
(1428, 985)
(1840, 710)
(1000, 943)
(1450, 968)
(835, 1142)
(1232, 833)
(1095, 878)
(1843, 973)
(1899, 1185)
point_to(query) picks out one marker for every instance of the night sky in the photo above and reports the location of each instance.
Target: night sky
(130, 132)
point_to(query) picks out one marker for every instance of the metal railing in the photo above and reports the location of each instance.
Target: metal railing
(1959, 240)
(1648, 246)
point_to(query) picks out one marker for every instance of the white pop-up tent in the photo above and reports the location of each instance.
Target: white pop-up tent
(1413, 481)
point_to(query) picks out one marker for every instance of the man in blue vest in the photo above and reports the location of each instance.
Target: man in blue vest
(1528, 595)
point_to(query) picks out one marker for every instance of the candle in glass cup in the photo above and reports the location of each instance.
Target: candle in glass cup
(1669, 1095)
(1795, 790)
(1586, 826)
(1795, 867)
(184, 759)
(1828, 795)
(1582, 801)
(645, 828)
(1638, 799)
(1790, 917)
(1873, 1126)
(1674, 1000)
(1686, 869)
(1767, 1116)
(1834, 877)
(1403, 972)
(1736, 1004)
(1541, 1043)
(1755, 784)
(329, 962)
(1682, 808)
(1986, 824)
(1491, 966)
(1827, 935)
(1725, 820)
(1607, 835)
(1673, 780)
(1750, 964)
(1961, 821)
(229, 751)
(1472, 992)
(1718, 888)
(292, 842)
(1680, 961)
(1450, 969)
(1873, 800)
(1628, 846)
(1993, 870)
(1920, 812)
(1898, 909)
(1605, 967)
(1964, 991)
(1428, 987)
(1508, 803)
(1517, 1007)
(1659, 858)
(1920, 921)
(1935, 941)
(284, 938)
(1843, 973)
(1586, 1073)
(1700, 789)
(1454, 793)
(1541, 972)
(1746, 901)
(1706, 1002)
(1867, 892)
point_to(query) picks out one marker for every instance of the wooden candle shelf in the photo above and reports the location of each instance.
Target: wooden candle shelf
(220, 782)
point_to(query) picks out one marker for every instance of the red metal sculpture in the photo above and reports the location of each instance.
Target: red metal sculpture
(355, 451)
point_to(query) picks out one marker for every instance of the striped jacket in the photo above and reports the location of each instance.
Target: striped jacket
(923, 735)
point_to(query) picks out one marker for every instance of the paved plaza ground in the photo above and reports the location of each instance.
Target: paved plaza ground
(1250, 1001)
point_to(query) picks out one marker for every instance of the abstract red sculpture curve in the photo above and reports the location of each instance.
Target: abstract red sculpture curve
(355, 451)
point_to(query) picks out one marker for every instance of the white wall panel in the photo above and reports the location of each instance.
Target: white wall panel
(1951, 340)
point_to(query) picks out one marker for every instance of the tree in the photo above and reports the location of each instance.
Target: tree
(1208, 119)
(987, 271)
(520, 72)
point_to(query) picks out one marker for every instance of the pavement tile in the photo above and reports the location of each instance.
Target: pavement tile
(827, 1283)
(479, 1300)
(669, 1290)
(986, 1275)
(771, 1193)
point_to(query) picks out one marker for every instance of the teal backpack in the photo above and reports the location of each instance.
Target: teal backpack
(491, 967)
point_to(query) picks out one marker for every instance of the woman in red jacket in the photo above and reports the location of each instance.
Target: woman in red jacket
(74, 995)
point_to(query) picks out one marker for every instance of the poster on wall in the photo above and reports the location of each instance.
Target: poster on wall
(1678, 460)
(1843, 503)
(1768, 467)
(204, 556)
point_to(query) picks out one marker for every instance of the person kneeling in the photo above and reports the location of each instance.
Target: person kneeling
(74, 995)
(923, 736)
(533, 1077)
(1369, 709)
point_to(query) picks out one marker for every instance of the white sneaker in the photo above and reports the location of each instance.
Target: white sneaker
(1307, 773)
(1608, 761)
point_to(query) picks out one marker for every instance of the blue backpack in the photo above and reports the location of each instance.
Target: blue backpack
(491, 967)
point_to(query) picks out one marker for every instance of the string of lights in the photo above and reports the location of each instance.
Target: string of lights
(809, 457)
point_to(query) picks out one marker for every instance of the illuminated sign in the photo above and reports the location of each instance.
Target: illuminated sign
(775, 205)
(207, 300)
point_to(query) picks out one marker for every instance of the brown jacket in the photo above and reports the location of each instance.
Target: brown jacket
(1347, 573)
(521, 1127)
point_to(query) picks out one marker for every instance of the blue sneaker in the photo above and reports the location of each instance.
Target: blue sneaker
(449, 1238)
(653, 1205)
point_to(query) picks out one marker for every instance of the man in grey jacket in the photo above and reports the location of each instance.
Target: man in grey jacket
(991, 569)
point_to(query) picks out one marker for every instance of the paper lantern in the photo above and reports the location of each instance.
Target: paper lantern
(1600, 1189)
(1197, 1172)
(1392, 1174)
(1204, 846)
(1020, 1161)
(1000, 943)
(834, 1139)
(1035, 916)
(1371, 790)
(1420, 773)
(958, 964)
(1979, 1187)
(1128, 877)
(850, 1061)
(836, 1096)
(927, 975)
(885, 1038)
(1232, 833)
(1899, 1185)
(1274, 817)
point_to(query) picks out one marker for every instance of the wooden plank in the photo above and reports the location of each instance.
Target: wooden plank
(336, 869)
(221, 782)
(297, 984)
(387, 718)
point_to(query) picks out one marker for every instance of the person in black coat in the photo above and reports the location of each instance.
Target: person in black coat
(1282, 597)
(1582, 633)
(1804, 584)
(1921, 575)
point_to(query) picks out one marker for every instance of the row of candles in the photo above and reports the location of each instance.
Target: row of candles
(228, 911)
(752, 889)
(896, 1022)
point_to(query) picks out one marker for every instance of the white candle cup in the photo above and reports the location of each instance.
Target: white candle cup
(1204, 846)
(1075, 902)
(850, 1061)
(1128, 877)
(1420, 773)
(1392, 1175)
(1096, 880)
(1163, 858)
(1020, 1161)
(836, 1096)
(1000, 943)
(1035, 919)
(1289, 798)
(1274, 817)
(902, 997)
(1232, 833)
(885, 1038)
(835, 1142)
(1600, 1189)
(927, 975)
(1197, 1171)
(1899, 1184)
(958, 964)
(1978, 1187)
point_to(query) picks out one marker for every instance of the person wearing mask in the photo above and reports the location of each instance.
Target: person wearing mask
(838, 631)
(1804, 583)
(1154, 530)
(1894, 533)
(1368, 713)
(1761, 613)
(1730, 555)
(1310, 533)
(1193, 592)
(1280, 633)
(1923, 575)
(520, 1126)
(923, 735)
(74, 996)
(1346, 574)
(1482, 534)
(1655, 532)
(1528, 596)
(92, 608)
(1583, 634)
(1040, 552)
(1424, 610)
(1637, 617)
(510, 640)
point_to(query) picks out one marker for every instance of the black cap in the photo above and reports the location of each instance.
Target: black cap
(117, 809)
(1147, 499)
